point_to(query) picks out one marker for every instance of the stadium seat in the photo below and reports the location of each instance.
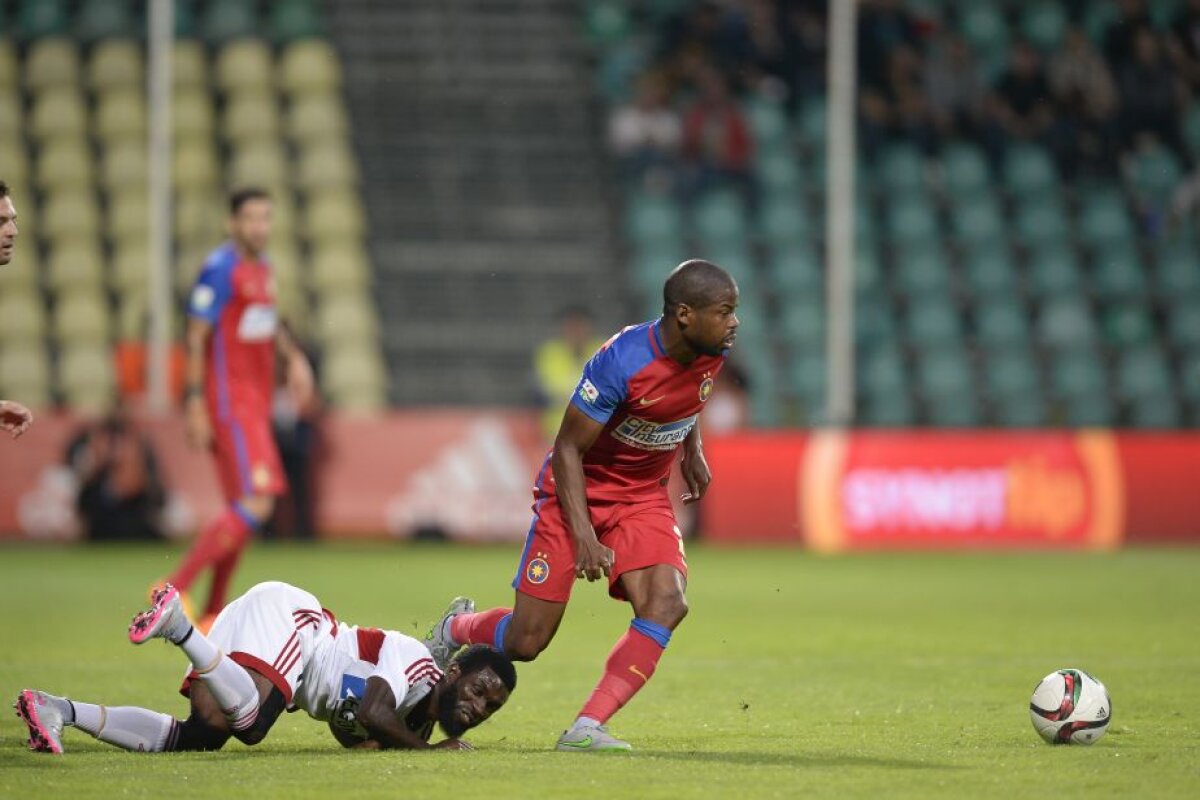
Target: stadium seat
(784, 224)
(75, 263)
(1041, 221)
(984, 27)
(226, 20)
(333, 215)
(1077, 372)
(989, 272)
(1178, 273)
(189, 64)
(131, 319)
(932, 322)
(651, 262)
(892, 411)
(882, 373)
(1043, 23)
(779, 174)
(1010, 374)
(81, 315)
(901, 171)
(294, 19)
(1028, 171)
(1054, 271)
(1001, 322)
(978, 223)
(811, 124)
(1066, 322)
(9, 71)
(944, 377)
(22, 317)
(805, 373)
(23, 274)
(245, 66)
(194, 165)
(795, 272)
(803, 322)
(653, 218)
(251, 116)
(912, 223)
(103, 19)
(85, 374)
(868, 274)
(769, 123)
(128, 216)
(129, 270)
(259, 163)
(922, 270)
(51, 63)
(192, 114)
(69, 213)
(354, 379)
(719, 219)
(316, 118)
(1020, 411)
(116, 64)
(310, 67)
(1118, 274)
(25, 373)
(1154, 174)
(58, 112)
(325, 166)
(1161, 411)
(965, 174)
(346, 318)
(1142, 373)
(1127, 324)
(121, 114)
(874, 319)
(340, 265)
(1104, 221)
(199, 215)
(124, 167)
(1183, 326)
(64, 164)
(11, 119)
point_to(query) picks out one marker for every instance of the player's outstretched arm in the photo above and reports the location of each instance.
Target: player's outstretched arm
(15, 418)
(377, 713)
(576, 436)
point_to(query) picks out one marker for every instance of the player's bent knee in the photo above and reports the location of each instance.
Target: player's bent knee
(526, 646)
(195, 733)
(668, 611)
(268, 712)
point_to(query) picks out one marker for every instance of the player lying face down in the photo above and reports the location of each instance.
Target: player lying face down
(276, 648)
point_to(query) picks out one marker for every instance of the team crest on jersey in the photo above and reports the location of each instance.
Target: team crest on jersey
(588, 391)
(538, 569)
(646, 435)
(706, 390)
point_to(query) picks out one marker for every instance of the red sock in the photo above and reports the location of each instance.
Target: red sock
(477, 628)
(225, 534)
(629, 666)
(222, 572)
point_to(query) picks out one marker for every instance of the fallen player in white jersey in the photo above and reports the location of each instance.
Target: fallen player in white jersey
(273, 648)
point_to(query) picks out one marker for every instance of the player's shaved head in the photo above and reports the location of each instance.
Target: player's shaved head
(695, 283)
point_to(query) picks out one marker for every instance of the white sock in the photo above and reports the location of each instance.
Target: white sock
(127, 727)
(586, 722)
(228, 681)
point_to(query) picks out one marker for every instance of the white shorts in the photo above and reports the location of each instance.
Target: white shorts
(271, 629)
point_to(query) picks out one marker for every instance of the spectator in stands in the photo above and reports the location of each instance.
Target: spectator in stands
(1183, 44)
(1152, 97)
(1120, 37)
(1086, 97)
(717, 143)
(646, 134)
(805, 34)
(954, 86)
(709, 32)
(1019, 106)
(558, 363)
(121, 496)
(883, 27)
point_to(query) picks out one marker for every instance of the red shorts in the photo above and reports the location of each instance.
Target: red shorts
(247, 458)
(641, 534)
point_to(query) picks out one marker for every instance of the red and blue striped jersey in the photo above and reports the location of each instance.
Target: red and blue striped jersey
(236, 295)
(648, 403)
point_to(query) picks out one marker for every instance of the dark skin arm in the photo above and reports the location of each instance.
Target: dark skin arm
(377, 713)
(694, 467)
(575, 437)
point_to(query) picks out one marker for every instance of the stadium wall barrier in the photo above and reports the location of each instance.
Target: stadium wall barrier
(869, 490)
(468, 474)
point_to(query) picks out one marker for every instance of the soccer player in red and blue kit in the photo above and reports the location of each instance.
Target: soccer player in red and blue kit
(601, 507)
(233, 338)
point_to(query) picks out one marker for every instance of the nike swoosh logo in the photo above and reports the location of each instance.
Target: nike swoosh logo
(633, 668)
(582, 744)
(647, 402)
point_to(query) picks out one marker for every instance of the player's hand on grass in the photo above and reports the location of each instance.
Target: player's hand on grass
(15, 418)
(454, 744)
(592, 559)
(696, 474)
(199, 427)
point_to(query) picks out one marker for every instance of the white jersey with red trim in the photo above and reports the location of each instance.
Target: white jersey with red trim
(336, 673)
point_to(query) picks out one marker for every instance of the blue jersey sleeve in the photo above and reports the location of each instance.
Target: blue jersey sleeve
(603, 387)
(211, 292)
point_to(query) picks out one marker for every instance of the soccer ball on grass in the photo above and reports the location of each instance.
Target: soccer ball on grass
(1070, 707)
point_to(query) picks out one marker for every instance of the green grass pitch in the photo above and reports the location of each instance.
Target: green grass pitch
(871, 676)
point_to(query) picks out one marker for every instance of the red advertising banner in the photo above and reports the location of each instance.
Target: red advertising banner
(837, 491)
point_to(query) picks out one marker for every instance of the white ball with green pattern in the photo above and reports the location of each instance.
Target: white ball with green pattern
(1070, 706)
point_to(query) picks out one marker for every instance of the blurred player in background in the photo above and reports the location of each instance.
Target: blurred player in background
(233, 339)
(557, 363)
(601, 507)
(15, 418)
(273, 648)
